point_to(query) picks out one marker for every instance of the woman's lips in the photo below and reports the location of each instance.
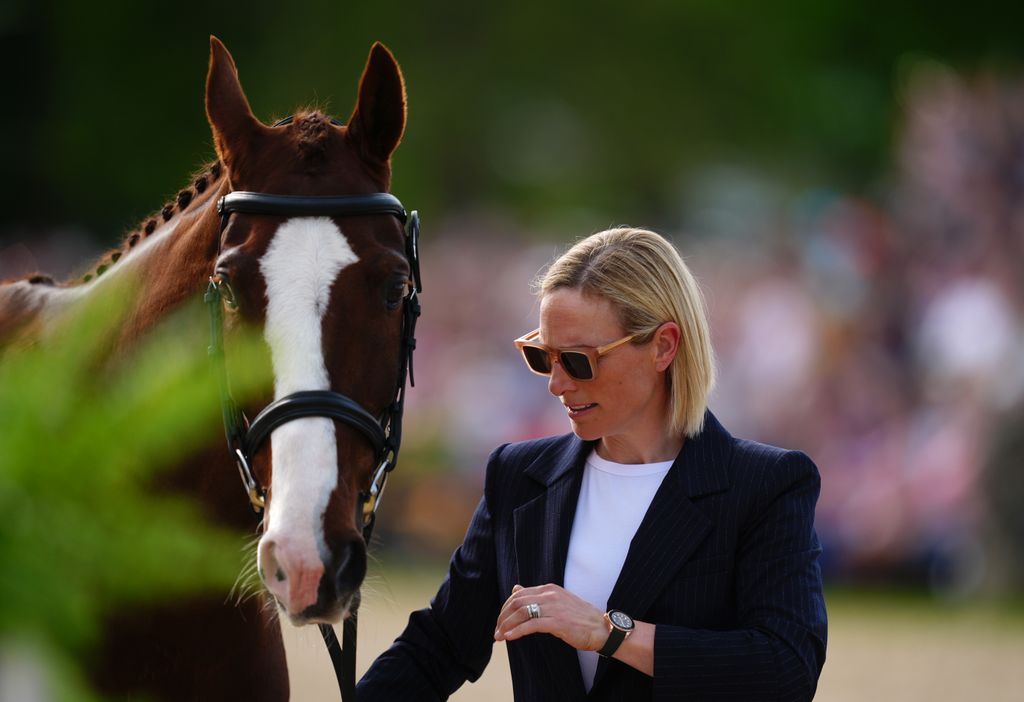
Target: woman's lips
(577, 411)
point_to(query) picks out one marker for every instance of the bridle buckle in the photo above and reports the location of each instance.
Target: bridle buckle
(371, 498)
(257, 496)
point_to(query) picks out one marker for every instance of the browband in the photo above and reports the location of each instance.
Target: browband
(301, 205)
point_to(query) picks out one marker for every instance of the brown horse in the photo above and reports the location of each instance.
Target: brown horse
(328, 285)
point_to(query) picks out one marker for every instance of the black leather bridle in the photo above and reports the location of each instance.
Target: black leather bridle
(383, 433)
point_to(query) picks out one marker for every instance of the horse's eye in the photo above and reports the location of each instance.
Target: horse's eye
(227, 294)
(397, 291)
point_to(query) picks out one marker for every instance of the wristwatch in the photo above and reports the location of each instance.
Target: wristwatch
(620, 625)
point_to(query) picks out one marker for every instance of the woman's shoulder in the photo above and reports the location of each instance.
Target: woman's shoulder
(771, 470)
(757, 453)
(752, 461)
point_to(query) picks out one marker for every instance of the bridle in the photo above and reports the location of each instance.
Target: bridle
(383, 433)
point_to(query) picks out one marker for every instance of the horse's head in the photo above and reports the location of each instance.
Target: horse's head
(328, 291)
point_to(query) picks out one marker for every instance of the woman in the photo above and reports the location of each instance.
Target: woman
(648, 555)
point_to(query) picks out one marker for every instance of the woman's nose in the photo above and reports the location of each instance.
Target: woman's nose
(559, 382)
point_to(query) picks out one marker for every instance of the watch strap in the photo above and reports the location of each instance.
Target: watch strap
(615, 639)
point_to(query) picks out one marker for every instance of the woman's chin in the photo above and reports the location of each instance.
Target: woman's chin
(586, 433)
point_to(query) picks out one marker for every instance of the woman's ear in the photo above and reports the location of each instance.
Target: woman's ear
(665, 345)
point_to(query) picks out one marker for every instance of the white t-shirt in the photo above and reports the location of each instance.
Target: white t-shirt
(613, 500)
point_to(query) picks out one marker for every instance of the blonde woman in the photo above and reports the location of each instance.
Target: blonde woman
(648, 554)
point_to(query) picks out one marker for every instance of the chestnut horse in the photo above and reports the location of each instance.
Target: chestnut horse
(294, 225)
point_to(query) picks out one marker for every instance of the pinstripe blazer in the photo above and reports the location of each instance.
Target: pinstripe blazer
(724, 564)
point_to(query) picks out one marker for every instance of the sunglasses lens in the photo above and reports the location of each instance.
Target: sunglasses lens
(577, 365)
(537, 359)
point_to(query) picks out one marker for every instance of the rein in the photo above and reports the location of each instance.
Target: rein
(383, 433)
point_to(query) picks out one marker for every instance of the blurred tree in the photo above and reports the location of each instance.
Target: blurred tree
(80, 441)
(533, 107)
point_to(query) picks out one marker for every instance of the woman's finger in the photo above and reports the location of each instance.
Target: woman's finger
(517, 610)
(519, 623)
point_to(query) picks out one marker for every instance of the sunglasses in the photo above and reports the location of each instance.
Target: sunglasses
(579, 362)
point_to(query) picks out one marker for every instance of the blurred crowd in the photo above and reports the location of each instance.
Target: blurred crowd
(881, 336)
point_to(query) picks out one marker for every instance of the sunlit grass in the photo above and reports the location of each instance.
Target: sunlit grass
(920, 606)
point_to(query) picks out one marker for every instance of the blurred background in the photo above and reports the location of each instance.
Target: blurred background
(846, 179)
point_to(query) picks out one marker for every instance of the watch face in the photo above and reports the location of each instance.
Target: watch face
(620, 619)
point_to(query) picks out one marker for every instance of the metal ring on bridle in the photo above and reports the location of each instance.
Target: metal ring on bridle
(257, 496)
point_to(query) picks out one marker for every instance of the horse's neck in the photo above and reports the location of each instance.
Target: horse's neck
(176, 268)
(169, 266)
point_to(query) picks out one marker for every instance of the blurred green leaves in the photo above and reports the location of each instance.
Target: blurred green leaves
(84, 428)
(533, 108)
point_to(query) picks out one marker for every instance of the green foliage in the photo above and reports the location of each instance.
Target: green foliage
(82, 435)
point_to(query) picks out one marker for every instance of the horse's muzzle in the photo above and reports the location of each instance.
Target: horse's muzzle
(308, 589)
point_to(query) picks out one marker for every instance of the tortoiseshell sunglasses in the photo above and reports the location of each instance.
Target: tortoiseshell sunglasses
(579, 362)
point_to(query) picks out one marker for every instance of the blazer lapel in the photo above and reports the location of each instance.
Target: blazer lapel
(542, 529)
(543, 525)
(673, 526)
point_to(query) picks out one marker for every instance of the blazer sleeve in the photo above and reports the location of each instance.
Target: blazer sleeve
(449, 642)
(777, 649)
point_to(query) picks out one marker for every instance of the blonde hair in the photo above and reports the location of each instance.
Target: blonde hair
(647, 282)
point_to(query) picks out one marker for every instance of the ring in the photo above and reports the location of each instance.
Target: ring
(533, 610)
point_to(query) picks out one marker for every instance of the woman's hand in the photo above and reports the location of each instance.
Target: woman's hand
(574, 621)
(562, 614)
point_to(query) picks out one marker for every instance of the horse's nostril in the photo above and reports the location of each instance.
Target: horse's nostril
(291, 574)
(350, 568)
(268, 563)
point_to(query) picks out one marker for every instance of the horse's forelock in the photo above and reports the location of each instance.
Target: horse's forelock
(312, 131)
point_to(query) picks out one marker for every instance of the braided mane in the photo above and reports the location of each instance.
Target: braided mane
(205, 178)
(312, 127)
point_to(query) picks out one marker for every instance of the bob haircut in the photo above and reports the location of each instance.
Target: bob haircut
(647, 282)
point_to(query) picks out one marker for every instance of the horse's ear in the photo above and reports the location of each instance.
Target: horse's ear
(378, 121)
(233, 123)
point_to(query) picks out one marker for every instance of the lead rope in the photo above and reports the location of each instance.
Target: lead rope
(343, 657)
(343, 654)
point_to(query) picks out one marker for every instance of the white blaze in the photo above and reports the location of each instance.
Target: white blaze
(300, 267)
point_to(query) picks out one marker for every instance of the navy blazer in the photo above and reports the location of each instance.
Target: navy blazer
(725, 564)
